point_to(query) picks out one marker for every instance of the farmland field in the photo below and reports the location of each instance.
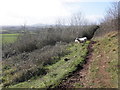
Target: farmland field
(9, 38)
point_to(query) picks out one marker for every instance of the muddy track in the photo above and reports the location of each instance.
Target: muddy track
(79, 75)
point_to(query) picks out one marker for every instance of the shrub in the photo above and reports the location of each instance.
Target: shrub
(24, 75)
(27, 63)
(27, 74)
(28, 42)
(89, 32)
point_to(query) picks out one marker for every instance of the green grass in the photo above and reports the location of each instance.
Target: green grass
(59, 70)
(8, 38)
(105, 50)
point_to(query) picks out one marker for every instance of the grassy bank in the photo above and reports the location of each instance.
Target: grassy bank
(59, 70)
(103, 68)
(105, 60)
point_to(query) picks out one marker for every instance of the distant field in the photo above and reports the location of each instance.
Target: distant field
(9, 38)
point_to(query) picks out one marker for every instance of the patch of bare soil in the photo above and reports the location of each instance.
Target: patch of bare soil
(80, 75)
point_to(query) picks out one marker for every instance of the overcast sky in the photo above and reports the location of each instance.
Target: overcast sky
(18, 12)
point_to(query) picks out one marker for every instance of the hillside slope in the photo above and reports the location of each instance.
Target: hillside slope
(59, 70)
(101, 68)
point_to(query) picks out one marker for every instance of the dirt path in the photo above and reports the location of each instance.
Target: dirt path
(80, 75)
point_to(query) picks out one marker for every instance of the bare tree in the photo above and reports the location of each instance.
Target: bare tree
(77, 19)
(111, 18)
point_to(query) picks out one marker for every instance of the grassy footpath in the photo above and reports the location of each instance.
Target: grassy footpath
(59, 70)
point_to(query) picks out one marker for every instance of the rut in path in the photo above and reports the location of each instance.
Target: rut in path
(79, 75)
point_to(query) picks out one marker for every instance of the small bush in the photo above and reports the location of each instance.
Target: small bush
(27, 74)
(89, 32)
(6, 67)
